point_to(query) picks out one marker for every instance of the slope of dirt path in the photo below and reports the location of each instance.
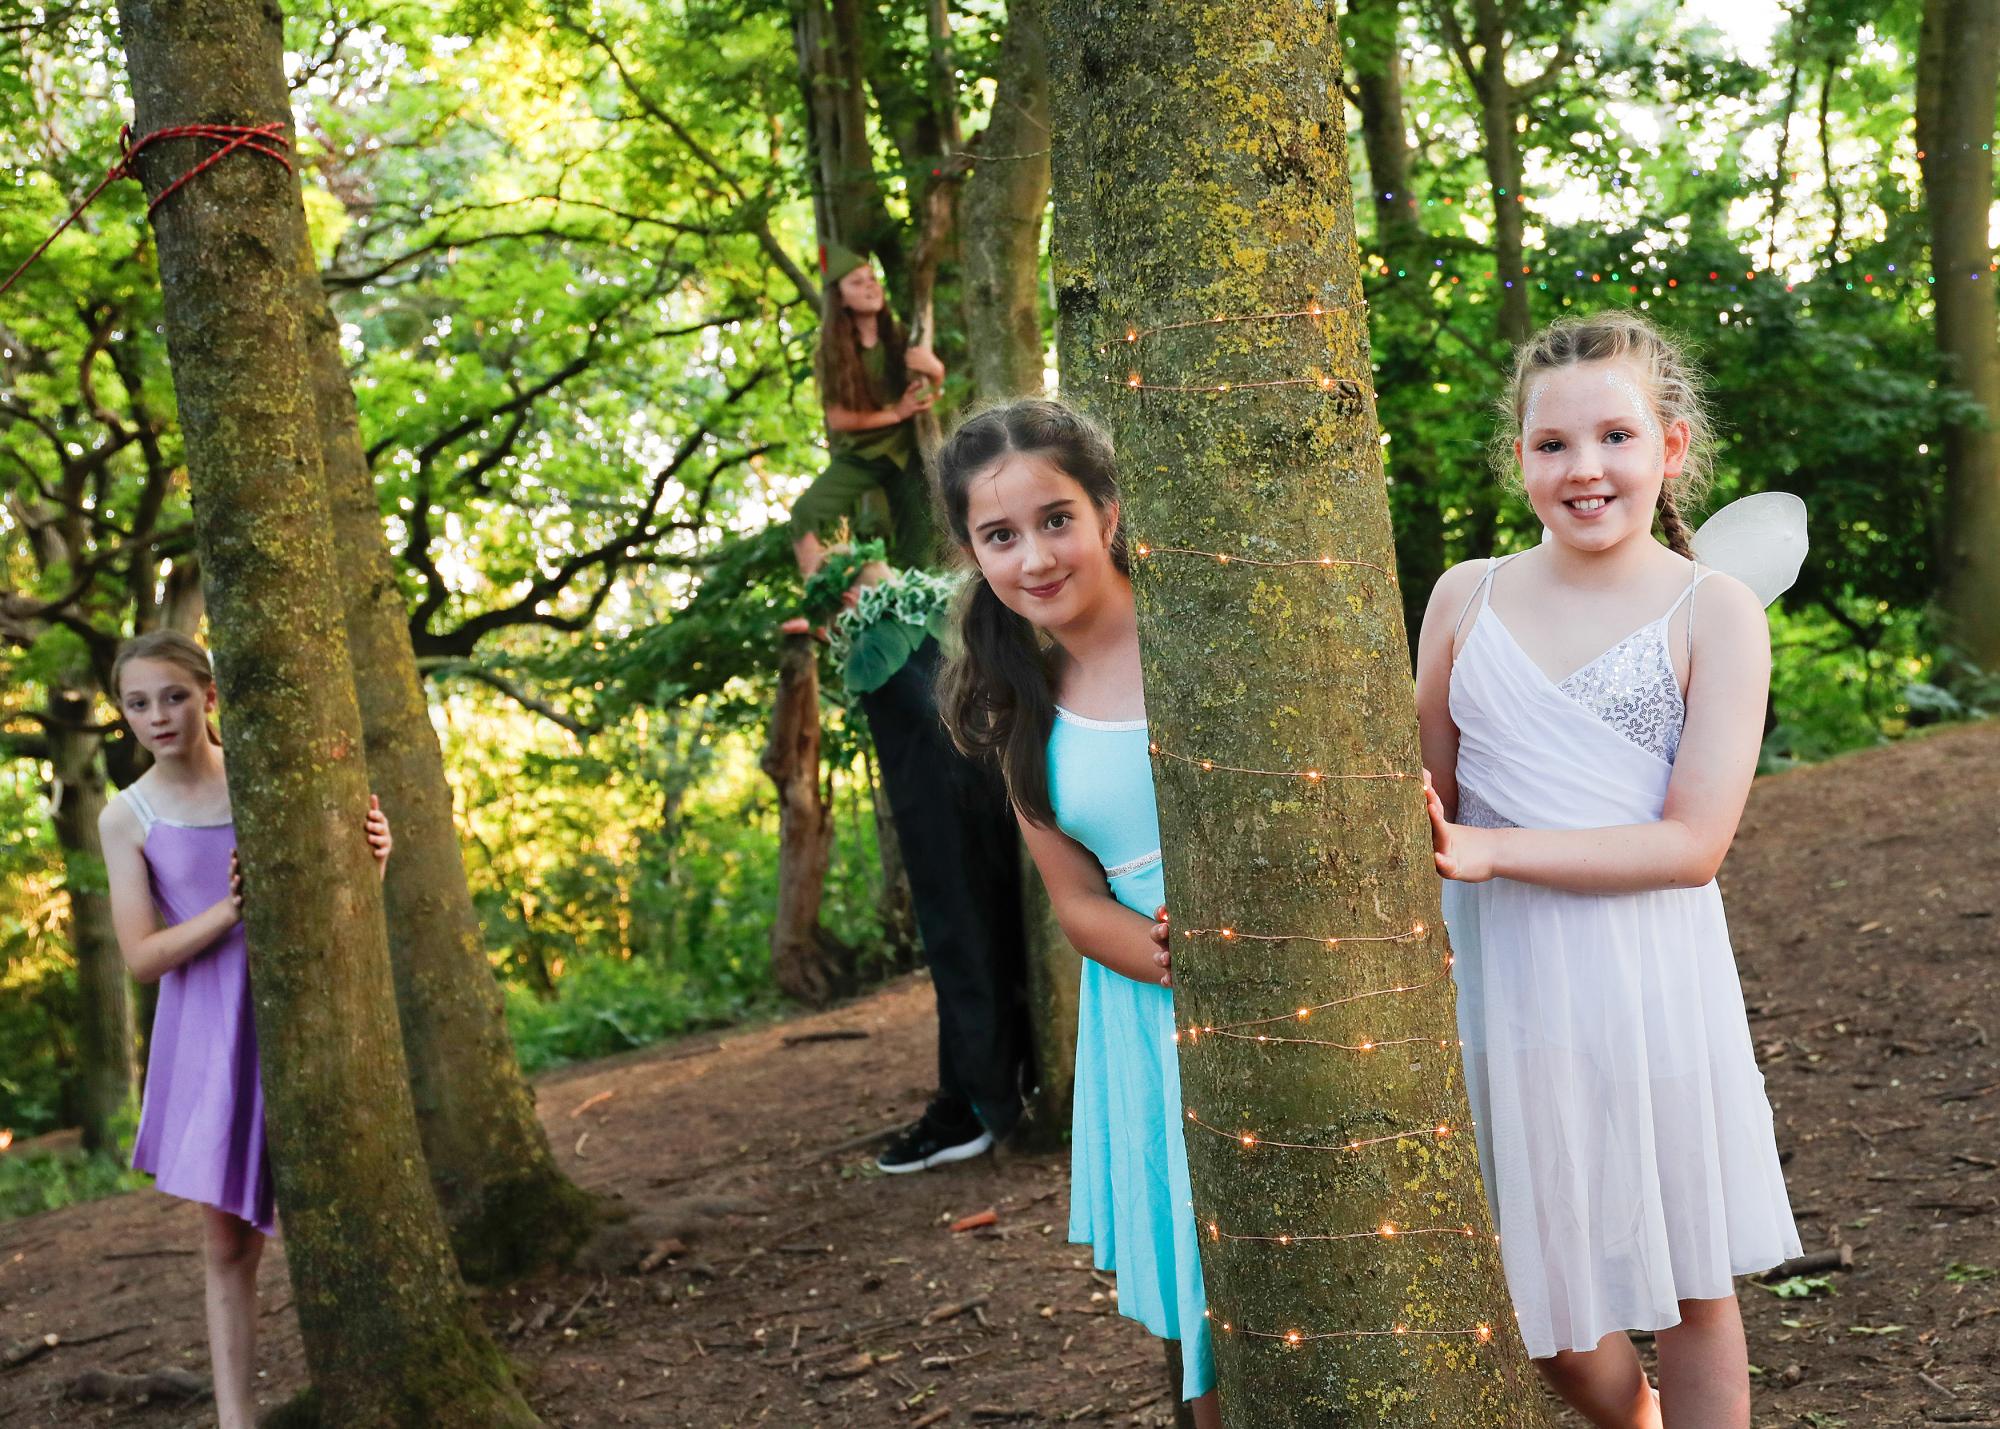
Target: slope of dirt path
(1864, 895)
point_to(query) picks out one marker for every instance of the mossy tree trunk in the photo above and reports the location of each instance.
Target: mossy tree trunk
(106, 1034)
(1205, 148)
(1001, 219)
(509, 1207)
(1957, 73)
(390, 1337)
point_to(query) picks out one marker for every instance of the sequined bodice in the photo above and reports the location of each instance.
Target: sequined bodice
(1631, 687)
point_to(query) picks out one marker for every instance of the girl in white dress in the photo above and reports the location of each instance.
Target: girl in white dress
(1591, 714)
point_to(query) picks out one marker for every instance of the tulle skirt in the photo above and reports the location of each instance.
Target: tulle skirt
(1623, 1130)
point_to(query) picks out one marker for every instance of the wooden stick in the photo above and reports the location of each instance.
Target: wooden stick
(799, 1039)
(1839, 1257)
(588, 1102)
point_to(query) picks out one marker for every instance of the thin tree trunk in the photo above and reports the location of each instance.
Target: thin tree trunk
(1958, 71)
(509, 1207)
(106, 1034)
(1229, 200)
(1055, 971)
(390, 1337)
(895, 906)
(1826, 160)
(806, 960)
(1001, 219)
(1374, 48)
(847, 197)
(1503, 168)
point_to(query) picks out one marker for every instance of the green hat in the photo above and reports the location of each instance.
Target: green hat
(837, 260)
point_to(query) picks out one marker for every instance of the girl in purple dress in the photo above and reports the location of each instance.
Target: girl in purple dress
(177, 906)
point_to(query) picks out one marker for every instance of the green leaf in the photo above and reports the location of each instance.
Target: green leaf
(879, 652)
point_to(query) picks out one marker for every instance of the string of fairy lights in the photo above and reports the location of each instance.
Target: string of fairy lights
(1264, 1030)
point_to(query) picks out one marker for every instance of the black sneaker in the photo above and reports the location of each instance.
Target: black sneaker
(935, 1140)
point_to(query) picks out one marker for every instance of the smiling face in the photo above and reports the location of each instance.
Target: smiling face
(165, 705)
(1593, 453)
(861, 291)
(1039, 542)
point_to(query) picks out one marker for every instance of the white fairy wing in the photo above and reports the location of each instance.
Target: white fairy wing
(1761, 540)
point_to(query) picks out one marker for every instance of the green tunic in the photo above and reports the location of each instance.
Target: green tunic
(875, 480)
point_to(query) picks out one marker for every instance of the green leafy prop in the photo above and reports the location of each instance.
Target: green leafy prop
(887, 623)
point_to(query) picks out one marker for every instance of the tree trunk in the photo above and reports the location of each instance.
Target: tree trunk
(846, 196)
(807, 962)
(390, 1337)
(1055, 972)
(509, 1207)
(1497, 99)
(1374, 48)
(1001, 220)
(1212, 200)
(1958, 71)
(895, 906)
(106, 1034)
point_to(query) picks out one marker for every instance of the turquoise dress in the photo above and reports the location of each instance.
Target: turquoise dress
(1129, 1195)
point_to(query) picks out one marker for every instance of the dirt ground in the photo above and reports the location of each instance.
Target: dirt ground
(1864, 895)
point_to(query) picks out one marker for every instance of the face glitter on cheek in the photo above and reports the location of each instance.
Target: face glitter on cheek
(1624, 387)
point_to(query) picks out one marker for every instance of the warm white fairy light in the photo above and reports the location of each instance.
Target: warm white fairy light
(1312, 310)
(1345, 387)
(1483, 1333)
(1386, 1231)
(1250, 1141)
(1147, 552)
(1309, 776)
(1230, 935)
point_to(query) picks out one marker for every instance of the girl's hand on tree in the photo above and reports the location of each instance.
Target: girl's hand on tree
(917, 397)
(236, 883)
(1162, 927)
(1462, 853)
(379, 839)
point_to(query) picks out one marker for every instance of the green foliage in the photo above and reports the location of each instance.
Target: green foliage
(34, 1181)
(1799, 1287)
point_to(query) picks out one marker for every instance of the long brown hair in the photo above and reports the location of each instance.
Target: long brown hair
(837, 363)
(994, 692)
(1672, 381)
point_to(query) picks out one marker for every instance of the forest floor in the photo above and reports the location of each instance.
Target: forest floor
(1864, 895)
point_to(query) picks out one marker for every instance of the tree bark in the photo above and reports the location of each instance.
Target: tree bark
(106, 1033)
(509, 1207)
(1209, 146)
(807, 962)
(390, 1338)
(1957, 73)
(1001, 219)
(847, 198)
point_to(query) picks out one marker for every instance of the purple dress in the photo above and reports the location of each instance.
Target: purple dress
(201, 1130)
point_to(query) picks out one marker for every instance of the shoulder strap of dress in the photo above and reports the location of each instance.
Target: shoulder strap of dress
(136, 801)
(1695, 578)
(1482, 593)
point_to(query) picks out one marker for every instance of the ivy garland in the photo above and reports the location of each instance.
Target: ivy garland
(874, 639)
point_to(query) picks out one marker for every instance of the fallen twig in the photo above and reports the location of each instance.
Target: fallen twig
(799, 1039)
(588, 1102)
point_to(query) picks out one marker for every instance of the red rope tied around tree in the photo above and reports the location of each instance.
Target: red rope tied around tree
(266, 139)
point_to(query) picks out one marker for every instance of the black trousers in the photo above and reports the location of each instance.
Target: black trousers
(961, 850)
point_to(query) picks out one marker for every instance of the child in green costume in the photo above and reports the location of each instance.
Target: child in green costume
(951, 816)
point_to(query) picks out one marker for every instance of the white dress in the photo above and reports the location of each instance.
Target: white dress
(1623, 1130)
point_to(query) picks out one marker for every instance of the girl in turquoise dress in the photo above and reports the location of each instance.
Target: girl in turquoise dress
(1046, 685)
